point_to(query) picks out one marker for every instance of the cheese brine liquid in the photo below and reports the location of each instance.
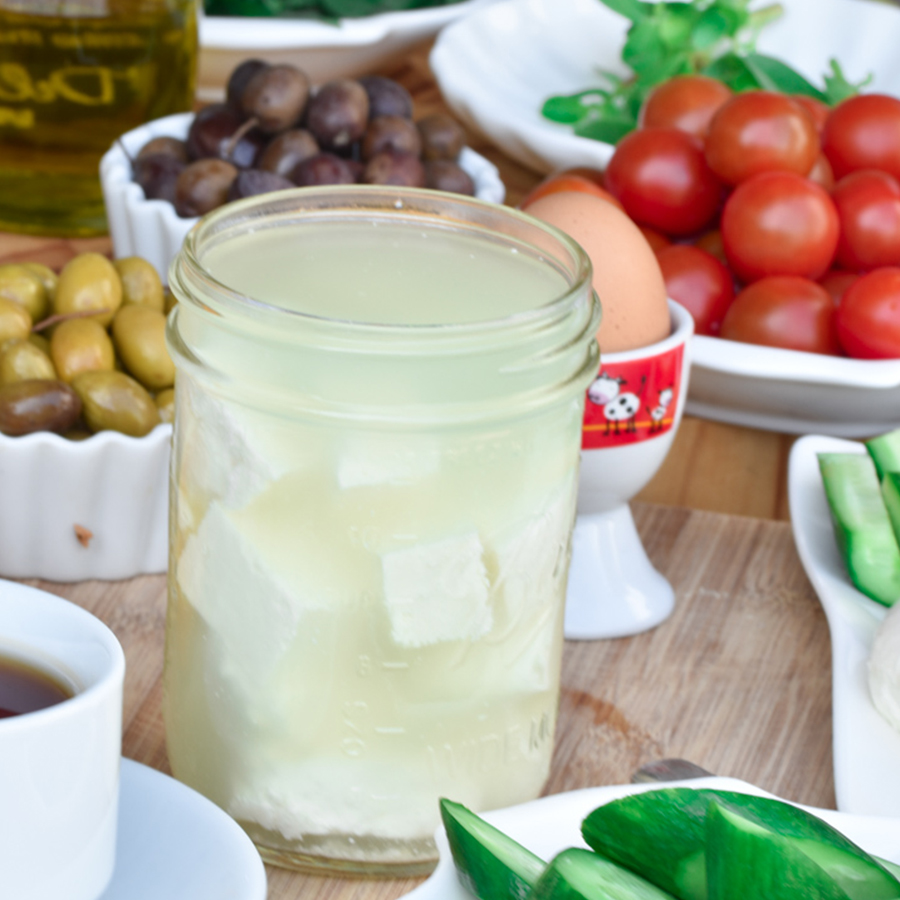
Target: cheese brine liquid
(366, 613)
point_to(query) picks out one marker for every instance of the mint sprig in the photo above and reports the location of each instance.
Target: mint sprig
(665, 39)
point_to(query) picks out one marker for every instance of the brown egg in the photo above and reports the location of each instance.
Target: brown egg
(627, 278)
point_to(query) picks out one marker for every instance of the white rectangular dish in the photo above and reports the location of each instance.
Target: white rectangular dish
(866, 747)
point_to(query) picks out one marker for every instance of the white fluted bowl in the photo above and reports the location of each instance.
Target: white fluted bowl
(152, 228)
(113, 485)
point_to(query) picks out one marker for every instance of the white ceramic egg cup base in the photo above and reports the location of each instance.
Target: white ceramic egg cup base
(614, 591)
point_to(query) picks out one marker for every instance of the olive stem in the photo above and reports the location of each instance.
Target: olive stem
(234, 140)
(64, 317)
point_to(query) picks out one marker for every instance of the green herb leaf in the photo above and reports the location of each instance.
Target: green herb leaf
(713, 25)
(733, 71)
(574, 107)
(610, 130)
(775, 75)
(635, 10)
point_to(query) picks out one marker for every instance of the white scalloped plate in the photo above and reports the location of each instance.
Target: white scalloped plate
(553, 823)
(152, 228)
(526, 50)
(350, 48)
(866, 747)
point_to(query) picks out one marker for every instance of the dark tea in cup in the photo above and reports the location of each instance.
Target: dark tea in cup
(25, 688)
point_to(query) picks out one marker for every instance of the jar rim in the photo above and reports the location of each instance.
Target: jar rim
(439, 209)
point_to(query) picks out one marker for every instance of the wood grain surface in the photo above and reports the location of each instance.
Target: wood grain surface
(738, 679)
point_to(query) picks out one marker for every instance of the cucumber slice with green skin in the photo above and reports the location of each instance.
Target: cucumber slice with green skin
(885, 452)
(745, 859)
(490, 864)
(662, 836)
(577, 874)
(890, 491)
(861, 524)
(891, 867)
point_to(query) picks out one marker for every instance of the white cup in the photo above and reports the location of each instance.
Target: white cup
(59, 766)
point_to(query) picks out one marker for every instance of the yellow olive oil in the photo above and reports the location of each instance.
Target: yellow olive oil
(74, 75)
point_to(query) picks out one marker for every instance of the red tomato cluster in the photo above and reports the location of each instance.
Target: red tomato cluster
(775, 219)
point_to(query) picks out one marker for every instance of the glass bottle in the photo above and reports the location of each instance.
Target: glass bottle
(74, 75)
(375, 459)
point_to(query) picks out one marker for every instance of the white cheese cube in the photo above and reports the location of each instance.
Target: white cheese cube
(437, 592)
(371, 460)
(248, 608)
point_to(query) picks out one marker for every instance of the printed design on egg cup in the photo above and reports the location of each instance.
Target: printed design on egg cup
(632, 401)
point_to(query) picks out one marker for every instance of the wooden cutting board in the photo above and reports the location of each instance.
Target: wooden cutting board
(738, 679)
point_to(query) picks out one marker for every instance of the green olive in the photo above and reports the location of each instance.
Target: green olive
(141, 284)
(15, 322)
(40, 342)
(80, 345)
(77, 434)
(22, 361)
(48, 277)
(165, 403)
(28, 406)
(139, 335)
(112, 401)
(18, 283)
(171, 301)
(89, 282)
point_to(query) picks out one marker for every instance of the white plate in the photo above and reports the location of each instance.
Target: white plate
(553, 823)
(174, 844)
(791, 391)
(527, 50)
(350, 48)
(152, 229)
(866, 747)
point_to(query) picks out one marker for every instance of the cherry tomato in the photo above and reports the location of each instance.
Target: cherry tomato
(779, 223)
(663, 180)
(760, 131)
(712, 243)
(656, 239)
(817, 110)
(821, 173)
(555, 184)
(783, 311)
(868, 205)
(863, 132)
(686, 102)
(868, 316)
(836, 281)
(699, 282)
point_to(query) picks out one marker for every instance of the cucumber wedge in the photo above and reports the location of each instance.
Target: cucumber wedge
(489, 864)
(890, 491)
(861, 524)
(662, 835)
(885, 452)
(577, 874)
(746, 859)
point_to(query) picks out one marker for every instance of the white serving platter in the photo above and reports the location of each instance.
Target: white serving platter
(553, 823)
(866, 747)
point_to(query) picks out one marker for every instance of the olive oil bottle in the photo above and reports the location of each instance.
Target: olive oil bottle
(74, 75)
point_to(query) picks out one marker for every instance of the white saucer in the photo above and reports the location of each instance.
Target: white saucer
(175, 844)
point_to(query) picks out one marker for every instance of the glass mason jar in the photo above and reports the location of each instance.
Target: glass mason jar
(375, 458)
(74, 75)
